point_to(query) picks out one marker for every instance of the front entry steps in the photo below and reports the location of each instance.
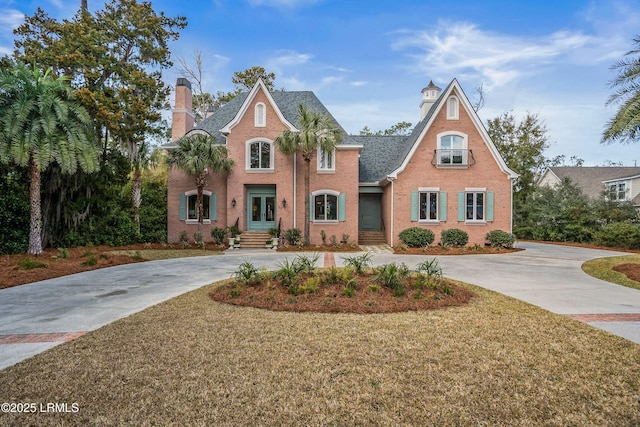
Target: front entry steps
(371, 238)
(254, 240)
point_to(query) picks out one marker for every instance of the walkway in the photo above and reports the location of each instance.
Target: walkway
(40, 315)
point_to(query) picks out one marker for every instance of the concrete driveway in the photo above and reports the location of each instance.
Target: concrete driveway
(40, 315)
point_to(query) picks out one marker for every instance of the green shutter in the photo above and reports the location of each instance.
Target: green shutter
(342, 207)
(460, 206)
(310, 207)
(213, 207)
(414, 206)
(443, 206)
(490, 206)
(183, 207)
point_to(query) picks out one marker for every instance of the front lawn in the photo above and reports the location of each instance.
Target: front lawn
(195, 361)
(605, 269)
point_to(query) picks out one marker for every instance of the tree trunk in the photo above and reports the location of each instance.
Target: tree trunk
(35, 232)
(307, 208)
(136, 194)
(200, 185)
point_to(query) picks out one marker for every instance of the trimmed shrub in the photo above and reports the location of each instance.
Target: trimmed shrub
(416, 237)
(454, 237)
(500, 239)
(619, 234)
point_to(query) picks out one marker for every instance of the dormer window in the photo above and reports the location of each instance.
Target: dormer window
(452, 108)
(260, 119)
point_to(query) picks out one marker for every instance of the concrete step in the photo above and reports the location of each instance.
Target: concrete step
(254, 240)
(371, 238)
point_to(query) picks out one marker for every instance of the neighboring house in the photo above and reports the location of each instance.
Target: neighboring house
(446, 174)
(619, 183)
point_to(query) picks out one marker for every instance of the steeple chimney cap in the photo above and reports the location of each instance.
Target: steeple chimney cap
(431, 86)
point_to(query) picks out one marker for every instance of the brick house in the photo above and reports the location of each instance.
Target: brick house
(446, 174)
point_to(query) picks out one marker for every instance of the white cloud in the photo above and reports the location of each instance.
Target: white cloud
(11, 17)
(463, 49)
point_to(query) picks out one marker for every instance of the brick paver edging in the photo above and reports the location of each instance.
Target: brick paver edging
(35, 338)
(610, 317)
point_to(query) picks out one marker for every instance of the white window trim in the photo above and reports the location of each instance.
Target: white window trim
(429, 190)
(325, 170)
(260, 120)
(313, 210)
(482, 190)
(247, 165)
(627, 190)
(465, 146)
(456, 113)
(189, 193)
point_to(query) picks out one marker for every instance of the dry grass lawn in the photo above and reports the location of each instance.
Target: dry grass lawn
(603, 269)
(194, 361)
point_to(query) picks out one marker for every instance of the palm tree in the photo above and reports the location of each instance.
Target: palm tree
(140, 160)
(41, 123)
(196, 155)
(317, 130)
(625, 125)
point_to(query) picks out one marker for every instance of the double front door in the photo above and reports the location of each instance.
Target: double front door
(262, 208)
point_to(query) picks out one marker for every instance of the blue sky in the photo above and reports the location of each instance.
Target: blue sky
(368, 60)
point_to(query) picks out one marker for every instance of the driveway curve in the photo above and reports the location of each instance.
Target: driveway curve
(38, 316)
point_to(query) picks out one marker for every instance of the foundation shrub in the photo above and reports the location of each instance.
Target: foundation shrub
(454, 237)
(500, 239)
(416, 237)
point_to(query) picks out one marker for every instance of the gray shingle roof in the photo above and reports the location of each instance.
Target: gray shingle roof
(590, 179)
(380, 155)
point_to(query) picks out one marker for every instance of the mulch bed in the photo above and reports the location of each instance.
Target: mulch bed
(450, 250)
(331, 298)
(631, 270)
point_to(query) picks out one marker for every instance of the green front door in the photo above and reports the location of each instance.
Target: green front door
(369, 210)
(262, 209)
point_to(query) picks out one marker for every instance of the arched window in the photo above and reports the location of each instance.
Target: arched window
(260, 119)
(452, 108)
(259, 155)
(452, 149)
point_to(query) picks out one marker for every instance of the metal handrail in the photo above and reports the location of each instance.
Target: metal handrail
(466, 157)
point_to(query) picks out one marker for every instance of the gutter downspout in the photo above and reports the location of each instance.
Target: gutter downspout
(295, 189)
(391, 180)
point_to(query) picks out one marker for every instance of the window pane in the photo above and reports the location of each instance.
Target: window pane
(479, 206)
(205, 206)
(332, 207)
(255, 158)
(433, 206)
(470, 206)
(319, 207)
(192, 207)
(265, 155)
(445, 142)
(423, 206)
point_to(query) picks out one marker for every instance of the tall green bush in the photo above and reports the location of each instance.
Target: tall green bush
(619, 234)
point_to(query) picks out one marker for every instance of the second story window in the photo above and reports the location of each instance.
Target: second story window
(452, 151)
(452, 108)
(617, 191)
(260, 155)
(326, 160)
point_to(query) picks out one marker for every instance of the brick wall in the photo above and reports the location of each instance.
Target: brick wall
(484, 173)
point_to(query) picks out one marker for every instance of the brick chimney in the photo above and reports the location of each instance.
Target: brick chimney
(182, 113)
(430, 95)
